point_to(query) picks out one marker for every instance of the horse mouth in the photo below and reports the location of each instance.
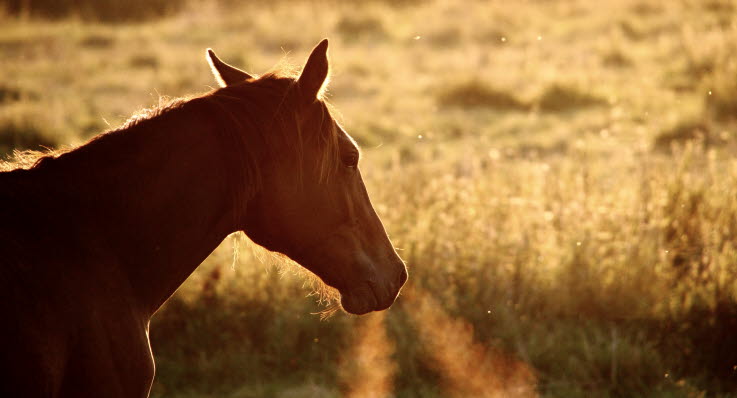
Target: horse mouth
(359, 300)
(363, 299)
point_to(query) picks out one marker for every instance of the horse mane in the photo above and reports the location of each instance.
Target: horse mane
(227, 103)
(238, 112)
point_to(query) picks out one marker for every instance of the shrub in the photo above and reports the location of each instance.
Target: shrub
(561, 98)
(19, 134)
(360, 25)
(102, 10)
(683, 132)
(721, 90)
(477, 94)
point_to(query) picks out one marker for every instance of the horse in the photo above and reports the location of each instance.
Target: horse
(95, 239)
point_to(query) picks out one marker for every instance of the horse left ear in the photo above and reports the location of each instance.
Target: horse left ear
(314, 75)
(225, 74)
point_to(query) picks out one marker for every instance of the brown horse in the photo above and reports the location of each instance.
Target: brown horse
(94, 240)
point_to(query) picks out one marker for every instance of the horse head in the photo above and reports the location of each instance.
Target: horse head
(311, 204)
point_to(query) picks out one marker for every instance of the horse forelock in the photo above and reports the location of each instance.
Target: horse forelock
(275, 93)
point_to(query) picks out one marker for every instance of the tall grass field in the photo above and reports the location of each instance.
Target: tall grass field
(559, 175)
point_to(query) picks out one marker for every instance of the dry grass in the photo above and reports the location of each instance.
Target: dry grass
(477, 94)
(562, 98)
(509, 150)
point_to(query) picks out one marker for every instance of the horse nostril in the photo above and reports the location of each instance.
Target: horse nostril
(402, 277)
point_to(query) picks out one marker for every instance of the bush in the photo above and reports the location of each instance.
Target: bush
(683, 132)
(477, 94)
(360, 25)
(721, 91)
(102, 10)
(22, 134)
(561, 98)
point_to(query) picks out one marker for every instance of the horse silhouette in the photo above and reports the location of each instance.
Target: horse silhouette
(95, 239)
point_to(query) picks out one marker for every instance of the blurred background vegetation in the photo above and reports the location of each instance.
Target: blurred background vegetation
(560, 176)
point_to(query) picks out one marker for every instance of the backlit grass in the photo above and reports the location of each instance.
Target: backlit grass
(560, 177)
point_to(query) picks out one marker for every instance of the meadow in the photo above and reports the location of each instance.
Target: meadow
(560, 177)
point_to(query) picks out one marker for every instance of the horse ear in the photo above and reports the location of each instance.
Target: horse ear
(225, 74)
(315, 73)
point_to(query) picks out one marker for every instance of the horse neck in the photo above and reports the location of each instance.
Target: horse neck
(157, 197)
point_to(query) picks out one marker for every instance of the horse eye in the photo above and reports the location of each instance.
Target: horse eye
(351, 160)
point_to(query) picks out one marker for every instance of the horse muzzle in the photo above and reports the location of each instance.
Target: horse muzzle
(371, 295)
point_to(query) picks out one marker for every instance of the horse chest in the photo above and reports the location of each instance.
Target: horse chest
(109, 352)
(77, 346)
(109, 356)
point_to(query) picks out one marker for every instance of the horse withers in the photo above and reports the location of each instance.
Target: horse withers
(95, 239)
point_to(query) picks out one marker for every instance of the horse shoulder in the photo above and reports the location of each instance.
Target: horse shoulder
(109, 335)
(85, 329)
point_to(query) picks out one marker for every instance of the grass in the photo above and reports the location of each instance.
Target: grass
(721, 90)
(615, 58)
(353, 27)
(19, 133)
(559, 176)
(108, 11)
(690, 130)
(477, 94)
(561, 98)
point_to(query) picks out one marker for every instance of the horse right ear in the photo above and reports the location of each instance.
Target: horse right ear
(314, 76)
(225, 74)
